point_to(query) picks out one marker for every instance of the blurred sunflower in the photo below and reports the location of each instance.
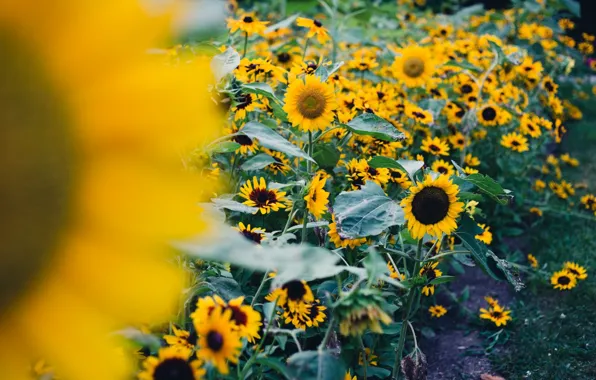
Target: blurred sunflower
(92, 130)
(497, 314)
(249, 24)
(264, 199)
(255, 234)
(532, 260)
(576, 270)
(172, 363)
(437, 311)
(515, 142)
(310, 103)
(182, 339)
(317, 198)
(435, 146)
(219, 341)
(486, 236)
(292, 294)
(414, 67)
(432, 207)
(315, 29)
(443, 167)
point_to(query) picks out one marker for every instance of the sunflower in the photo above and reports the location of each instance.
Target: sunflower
(589, 202)
(317, 198)
(182, 339)
(258, 195)
(369, 356)
(437, 311)
(432, 207)
(458, 141)
(536, 211)
(418, 114)
(563, 280)
(400, 177)
(219, 340)
(529, 126)
(490, 115)
(532, 260)
(414, 67)
(435, 146)
(559, 131)
(172, 363)
(339, 241)
(310, 103)
(255, 234)
(486, 236)
(243, 103)
(249, 24)
(497, 314)
(576, 270)
(515, 142)
(363, 318)
(315, 29)
(348, 376)
(247, 145)
(306, 315)
(292, 295)
(281, 164)
(316, 314)
(443, 167)
(430, 271)
(471, 160)
(394, 273)
(247, 319)
(91, 173)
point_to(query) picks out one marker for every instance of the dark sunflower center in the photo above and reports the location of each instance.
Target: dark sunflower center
(563, 280)
(192, 338)
(296, 289)
(573, 271)
(215, 340)
(549, 86)
(496, 314)
(489, 114)
(466, 89)
(243, 140)
(283, 57)
(244, 100)
(263, 197)
(253, 236)
(317, 23)
(414, 67)
(372, 171)
(434, 148)
(418, 115)
(380, 95)
(459, 114)
(515, 143)
(36, 167)
(238, 316)
(430, 205)
(442, 170)
(173, 369)
(247, 19)
(313, 312)
(311, 103)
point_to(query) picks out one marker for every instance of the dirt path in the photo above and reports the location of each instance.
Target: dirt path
(455, 351)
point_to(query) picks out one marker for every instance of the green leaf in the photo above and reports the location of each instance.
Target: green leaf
(260, 89)
(392, 329)
(229, 204)
(272, 140)
(224, 147)
(408, 166)
(286, 23)
(573, 6)
(467, 231)
(225, 63)
(488, 186)
(226, 288)
(290, 261)
(442, 280)
(326, 155)
(322, 223)
(375, 265)
(257, 162)
(366, 212)
(316, 365)
(370, 124)
(274, 363)
(463, 65)
(324, 72)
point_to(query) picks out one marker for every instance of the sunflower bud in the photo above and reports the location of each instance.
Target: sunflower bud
(361, 310)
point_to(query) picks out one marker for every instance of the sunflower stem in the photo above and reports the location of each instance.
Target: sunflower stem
(406, 314)
(305, 48)
(260, 288)
(253, 357)
(308, 173)
(245, 44)
(327, 334)
(364, 357)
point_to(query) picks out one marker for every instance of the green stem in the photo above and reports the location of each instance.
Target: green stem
(327, 334)
(245, 44)
(305, 48)
(365, 358)
(406, 315)
(265, 277)
(253, 357)
(308, 173)
(290, 217)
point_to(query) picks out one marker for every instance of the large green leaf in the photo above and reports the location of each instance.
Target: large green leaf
(326, 155)
(225, 202)
(272, 140)
(489, 187)
(324, 72)
(224, 63)
(573, 6)
(257, 162)
(316, 365)
(370, 124)
(408, 166)
(260, 89)
(226, 245)
(224, 147)
(366, 212)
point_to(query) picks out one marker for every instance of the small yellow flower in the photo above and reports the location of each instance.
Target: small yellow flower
(532, 260)
(437, 311)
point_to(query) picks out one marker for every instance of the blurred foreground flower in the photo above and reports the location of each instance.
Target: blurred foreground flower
(92, 182)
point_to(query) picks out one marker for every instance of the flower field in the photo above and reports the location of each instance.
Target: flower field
(297, 190)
